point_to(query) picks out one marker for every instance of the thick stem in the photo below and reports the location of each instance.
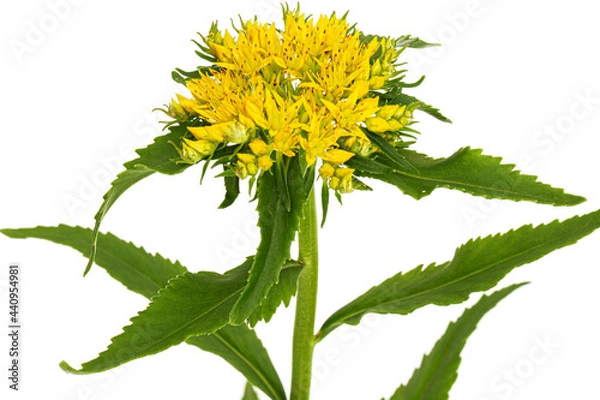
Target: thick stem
(306, 302)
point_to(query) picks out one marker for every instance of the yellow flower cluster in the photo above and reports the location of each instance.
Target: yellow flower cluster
(304, 90)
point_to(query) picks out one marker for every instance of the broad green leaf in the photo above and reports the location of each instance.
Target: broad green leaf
(477, 266)
(146, 274)
(278, 227)
(466, 170)
(249, 393)
(160, 156)
(191, 304)
(439, 369)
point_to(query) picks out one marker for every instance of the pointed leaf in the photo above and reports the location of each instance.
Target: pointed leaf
(439, 369)
(160, 156)
(478, 265)
(232, 190)
(413, 42)
(139, 271)
(249, 393)
(146, 274)
(466, 170)
(389, 151)
(191, 304)
(278, 228)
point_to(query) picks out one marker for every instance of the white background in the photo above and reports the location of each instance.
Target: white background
(511, 75)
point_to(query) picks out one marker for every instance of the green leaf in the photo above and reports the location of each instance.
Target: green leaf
(249, 393)
(439, 369)
(282, 292)
(477, 266)
(389, 151)
(466, 170)
(191, 304)
(324, 202)
(146, 274)
(232, 190)
(139, 271)
(278, 228)
(157, 157)
(241, 348)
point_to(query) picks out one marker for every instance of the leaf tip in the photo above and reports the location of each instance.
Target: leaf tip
(67, 368)
(89, 264)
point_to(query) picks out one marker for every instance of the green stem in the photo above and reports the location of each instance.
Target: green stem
(306, 302)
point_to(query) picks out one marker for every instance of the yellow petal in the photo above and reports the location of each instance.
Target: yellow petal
(337, 156)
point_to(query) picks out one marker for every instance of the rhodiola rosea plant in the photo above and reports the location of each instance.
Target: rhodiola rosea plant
(310, 109)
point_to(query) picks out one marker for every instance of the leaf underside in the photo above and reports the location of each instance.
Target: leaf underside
(467, 170)
(439, 369)
(477, 266)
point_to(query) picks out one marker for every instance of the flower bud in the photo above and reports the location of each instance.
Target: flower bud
(246, 165)
(259, 147)
(378, 125)
(345, 184)
(194, 150)
(237, 133)
(177, 111)
(326, 171)
(265, 162)
(336, 156)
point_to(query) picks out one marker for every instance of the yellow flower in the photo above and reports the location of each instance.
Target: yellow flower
(306, 89)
